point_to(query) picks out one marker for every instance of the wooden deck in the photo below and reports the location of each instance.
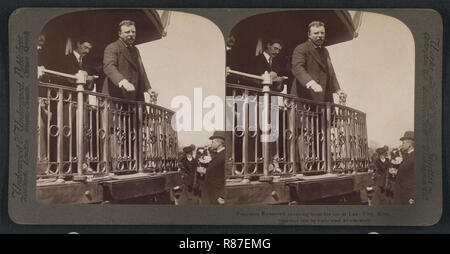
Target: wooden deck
(301, 189)
(111, 189)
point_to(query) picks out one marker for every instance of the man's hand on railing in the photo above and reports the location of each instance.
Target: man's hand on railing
(273, 75)
(220, 200)
(342, 97)
(125, 84)
(40, 71)
(153, 96)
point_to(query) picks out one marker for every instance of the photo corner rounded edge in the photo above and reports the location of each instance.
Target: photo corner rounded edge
(16, 14)
(437, 14)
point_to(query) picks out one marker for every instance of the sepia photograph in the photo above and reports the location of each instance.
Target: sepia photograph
(116, 93)
(320, 109)
(225, 116)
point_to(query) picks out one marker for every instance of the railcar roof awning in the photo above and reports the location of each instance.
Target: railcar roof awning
(292, 26)
(101, 26)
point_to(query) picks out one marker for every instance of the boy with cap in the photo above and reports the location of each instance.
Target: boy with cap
(382, 165)
(188, 165)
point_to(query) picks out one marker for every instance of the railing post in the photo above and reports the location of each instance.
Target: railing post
(81, 81)
(140, 154)
(265, 123)
(106, 138)
(245, 141)
(329, 157)
(59, 136)
(293, 138)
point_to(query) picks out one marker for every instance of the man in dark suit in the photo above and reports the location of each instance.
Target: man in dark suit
(267, 61)
(122, 64)
(404, 182)
(314, 76)
(214, 184)
(76, 61)
(73, 63)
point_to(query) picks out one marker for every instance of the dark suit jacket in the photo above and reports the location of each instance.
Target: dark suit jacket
(70, 65)
(307, 65)
(382, 169)
(258, 65)
(214, 184)
(118, 64)
(404, 182)
(189, 168)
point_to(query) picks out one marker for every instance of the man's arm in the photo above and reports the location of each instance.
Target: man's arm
(110, 64)
(335, 88)
(299, 66)
(299, 69)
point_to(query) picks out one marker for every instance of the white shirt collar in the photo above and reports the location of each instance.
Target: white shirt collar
(78, 56)
(267, 56)
(412, 150)
(220, 149)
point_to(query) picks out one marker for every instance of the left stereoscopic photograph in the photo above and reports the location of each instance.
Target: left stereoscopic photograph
(126, 107)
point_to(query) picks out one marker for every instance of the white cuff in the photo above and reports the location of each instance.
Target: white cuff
(309, 84)
(122, 83)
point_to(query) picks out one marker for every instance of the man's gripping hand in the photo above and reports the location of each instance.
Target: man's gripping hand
(314, 86)
(126, 85)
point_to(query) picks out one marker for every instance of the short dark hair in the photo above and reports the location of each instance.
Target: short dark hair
(83, 39)
(271, 41)
(125, 23)
(315, 24)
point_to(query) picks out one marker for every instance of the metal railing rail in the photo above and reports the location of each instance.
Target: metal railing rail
(84, 133)
(313, 137)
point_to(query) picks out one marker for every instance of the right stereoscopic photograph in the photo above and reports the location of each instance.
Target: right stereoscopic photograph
(320, 109)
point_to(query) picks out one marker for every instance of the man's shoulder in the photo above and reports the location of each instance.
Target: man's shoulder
(113, 45)
(259, 57)
(68, 57)
(304, 44)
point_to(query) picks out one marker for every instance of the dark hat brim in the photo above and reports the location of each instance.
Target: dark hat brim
(405, 138)
(189, 149)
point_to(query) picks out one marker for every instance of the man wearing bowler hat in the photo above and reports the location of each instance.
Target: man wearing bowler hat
(213, 187)
(404, 184)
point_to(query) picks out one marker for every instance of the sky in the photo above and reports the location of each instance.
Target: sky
(192, 55)
(376, 70)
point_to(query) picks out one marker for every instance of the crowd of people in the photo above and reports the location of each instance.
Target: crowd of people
(394, 173)
(203, 172)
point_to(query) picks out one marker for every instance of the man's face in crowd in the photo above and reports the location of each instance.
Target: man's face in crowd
(274, 49)
(128, 34)
(83, 48)
(216, 143)
(317, 35)
(406, 145)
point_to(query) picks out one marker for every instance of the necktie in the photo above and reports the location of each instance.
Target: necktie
(270, 63)
(80, 63)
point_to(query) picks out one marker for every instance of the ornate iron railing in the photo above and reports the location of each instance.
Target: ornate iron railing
(84, 133)
(311, 137)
